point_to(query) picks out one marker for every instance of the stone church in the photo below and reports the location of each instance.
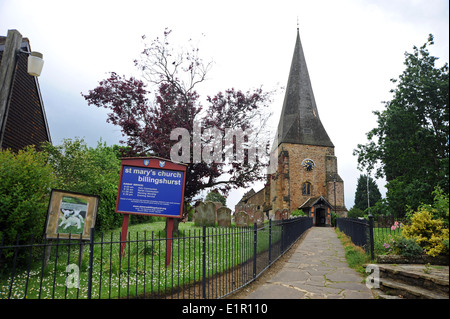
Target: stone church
(305, 175)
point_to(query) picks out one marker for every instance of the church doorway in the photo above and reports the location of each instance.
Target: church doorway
(319, 209)
(321, 217)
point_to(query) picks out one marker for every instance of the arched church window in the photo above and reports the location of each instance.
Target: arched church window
(306, 188)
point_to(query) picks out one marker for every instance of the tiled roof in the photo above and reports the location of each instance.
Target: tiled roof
(299, 120)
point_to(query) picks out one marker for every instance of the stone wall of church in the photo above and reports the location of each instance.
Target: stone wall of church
(286, 190)
(340, 203)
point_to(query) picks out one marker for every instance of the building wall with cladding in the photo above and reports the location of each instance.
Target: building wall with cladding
(25, 122)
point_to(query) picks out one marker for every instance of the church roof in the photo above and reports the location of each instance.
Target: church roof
(299, 120)
(312, 201)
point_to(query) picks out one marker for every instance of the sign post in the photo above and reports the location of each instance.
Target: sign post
(151, 186)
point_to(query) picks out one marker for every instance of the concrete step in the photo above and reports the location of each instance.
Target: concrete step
(412, 281)
(396, 288)
(433, 278)
(380, 294)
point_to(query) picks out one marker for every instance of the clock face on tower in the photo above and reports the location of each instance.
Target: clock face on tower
(308, 164)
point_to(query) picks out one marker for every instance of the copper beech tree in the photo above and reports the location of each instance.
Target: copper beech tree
(147, 119)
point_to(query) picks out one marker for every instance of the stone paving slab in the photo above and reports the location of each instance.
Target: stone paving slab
(316, 270)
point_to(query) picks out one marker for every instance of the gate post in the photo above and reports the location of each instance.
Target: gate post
(204, 262)
(371, 236)
(255, 241)
(270, 241)
(91, 264)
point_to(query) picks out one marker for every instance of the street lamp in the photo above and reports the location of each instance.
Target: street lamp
(35, 63)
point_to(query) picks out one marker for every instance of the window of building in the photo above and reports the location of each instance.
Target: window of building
(306, 188)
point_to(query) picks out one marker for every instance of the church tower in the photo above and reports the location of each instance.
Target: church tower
(306, 175)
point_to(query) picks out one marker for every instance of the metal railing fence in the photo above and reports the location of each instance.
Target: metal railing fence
(372, 233)
(205, 263)
(359, 230)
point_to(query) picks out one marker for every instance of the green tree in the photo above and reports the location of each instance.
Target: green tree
(361, 193)
(88, 170)
(215, 196)
(355, 212)
(25, 184)
(410, 146)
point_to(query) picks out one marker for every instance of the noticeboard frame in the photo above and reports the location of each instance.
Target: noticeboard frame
(58, 225)
(143, 167)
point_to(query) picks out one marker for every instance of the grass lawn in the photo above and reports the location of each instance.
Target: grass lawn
(355, 255)
(142, 268)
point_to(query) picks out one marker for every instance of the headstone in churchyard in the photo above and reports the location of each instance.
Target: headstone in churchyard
(198, 214)
(278, 214)
(218, 205)
(258, 218)
(205, 214)
(210, 214)
(250, 209)
(241, 219)
(224, 217)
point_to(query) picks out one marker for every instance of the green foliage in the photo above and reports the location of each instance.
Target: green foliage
(440, 208)
(355, 212)
(429, 233)
(410, 146)
(215, 196)
(88, 170)
(25, 184)
(382, 207)
(298, 212)
(361, 192)
(407, 247)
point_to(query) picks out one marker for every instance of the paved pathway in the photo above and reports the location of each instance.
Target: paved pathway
(316, 270)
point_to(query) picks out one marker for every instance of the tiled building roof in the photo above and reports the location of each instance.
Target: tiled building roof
(299, 120)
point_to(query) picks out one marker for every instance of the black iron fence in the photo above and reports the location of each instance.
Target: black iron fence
(374, 235)
(359, 230)
(205, 263)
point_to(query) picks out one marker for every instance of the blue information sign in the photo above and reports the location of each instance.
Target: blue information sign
(152, 191)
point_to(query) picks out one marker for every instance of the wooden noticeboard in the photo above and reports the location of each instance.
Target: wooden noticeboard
(151, 186)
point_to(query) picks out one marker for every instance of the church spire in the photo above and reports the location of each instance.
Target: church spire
(299, 120)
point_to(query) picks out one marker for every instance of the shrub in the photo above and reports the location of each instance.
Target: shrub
(25, 184)
(408, 247)
(88, 170)
(355, 212)
(298, 212)
(429, 233)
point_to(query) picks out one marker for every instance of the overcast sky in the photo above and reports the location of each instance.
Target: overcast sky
(352, 47)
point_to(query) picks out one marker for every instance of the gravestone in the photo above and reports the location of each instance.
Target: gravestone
(285, 214)
(241, 219)
(205, 214)
(224, 217)
(217, 206)
(278, 214)
(258, 218)
(281, 214)
(251, 209)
